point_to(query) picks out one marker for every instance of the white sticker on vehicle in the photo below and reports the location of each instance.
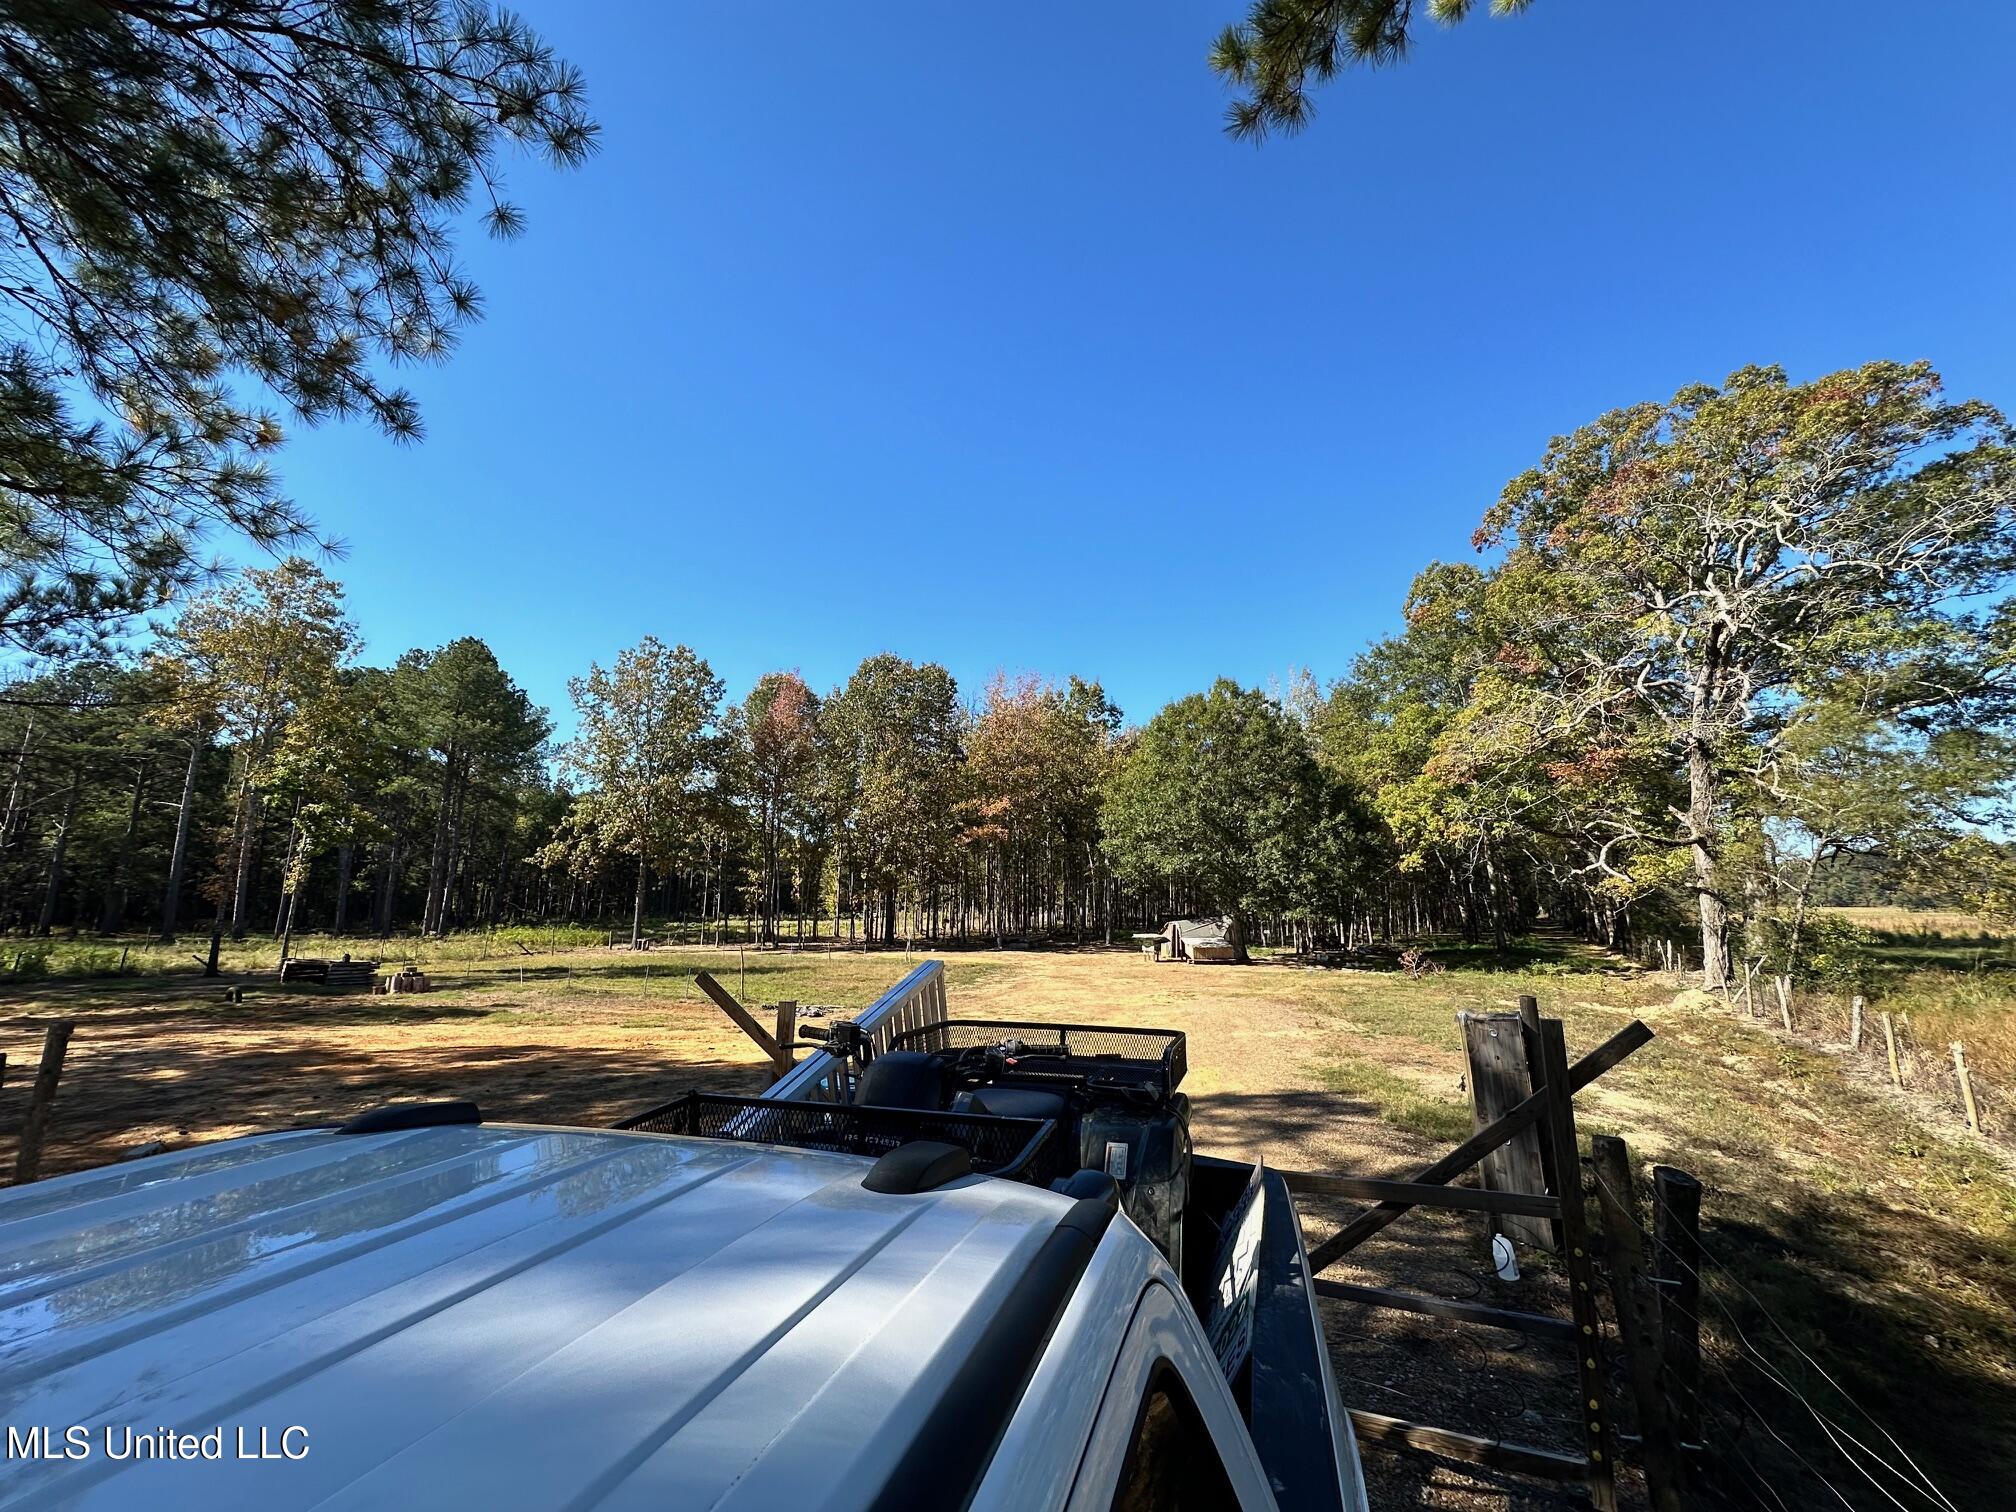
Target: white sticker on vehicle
(1116, 1159)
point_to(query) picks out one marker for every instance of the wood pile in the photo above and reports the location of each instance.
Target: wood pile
(345, 973)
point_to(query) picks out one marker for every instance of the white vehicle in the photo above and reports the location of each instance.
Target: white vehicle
(421, 1309)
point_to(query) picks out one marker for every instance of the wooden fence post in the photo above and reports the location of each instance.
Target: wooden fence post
(787, 1031)
(1637, 1321)
(1855, 1023)
(744, 1020)
(1529, 1035)
(1890, 1043)
(35, 1123)
(1550, 1074)
(1784, 984)
(1494, 1044)
(1676, 1262)
(1966, 1087)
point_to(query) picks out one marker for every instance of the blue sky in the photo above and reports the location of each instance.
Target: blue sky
(963, 332)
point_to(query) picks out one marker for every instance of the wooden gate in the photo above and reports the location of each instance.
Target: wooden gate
(1528, 1067)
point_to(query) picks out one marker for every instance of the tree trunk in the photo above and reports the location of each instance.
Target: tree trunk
(345, 857)
(178, 858)
(248, 805)
(444, 912)
(283, 915)
(637, 906)
(14, 786)
(388, 890)
(113, 915)
(1702, 821)
(430, 911)
(55, 889)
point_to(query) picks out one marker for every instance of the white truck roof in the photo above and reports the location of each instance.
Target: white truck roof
(492, 1316)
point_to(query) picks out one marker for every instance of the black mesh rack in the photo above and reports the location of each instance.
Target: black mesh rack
(1073, 1043)
(1014, 1147)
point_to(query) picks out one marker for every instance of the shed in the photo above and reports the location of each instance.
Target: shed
(1198, 940)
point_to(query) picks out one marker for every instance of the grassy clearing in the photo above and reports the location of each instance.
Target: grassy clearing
(88, 956)
(1880, 1242)
(1399, 1101)
(28, 959)
(1922, 924)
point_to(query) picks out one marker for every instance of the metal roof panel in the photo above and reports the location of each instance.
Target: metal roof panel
(492, 1315)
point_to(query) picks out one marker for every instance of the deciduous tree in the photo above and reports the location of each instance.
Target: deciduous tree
(246, 660)
(892, 760)
(643, 753)
(1714, 572)
(1218, 790)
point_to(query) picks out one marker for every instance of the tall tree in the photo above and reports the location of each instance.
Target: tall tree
(893, 754)
(246, 660)
(1712, 573)
(643, 752)
(461, 707)
(1035, 760)
(1218, 791)
(191, 194)
(778, 731)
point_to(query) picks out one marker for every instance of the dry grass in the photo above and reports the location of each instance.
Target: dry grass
(1921, 923)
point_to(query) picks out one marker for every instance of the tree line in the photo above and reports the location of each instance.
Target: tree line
(1717, 652)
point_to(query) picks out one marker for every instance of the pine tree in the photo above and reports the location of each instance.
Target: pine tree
(195, 195)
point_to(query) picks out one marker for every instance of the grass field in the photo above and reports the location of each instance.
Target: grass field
(1875, 1238)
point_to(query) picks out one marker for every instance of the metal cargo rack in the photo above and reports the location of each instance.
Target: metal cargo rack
(1014, 1147)
(1076, 1043)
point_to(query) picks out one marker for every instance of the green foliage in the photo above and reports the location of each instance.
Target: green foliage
(893, 738)
(199, 194)
(1399, 1101)
(1770, 593)
(645, 751)
(1284, 47)
(31, 962)
(1221, 792)
(1820, 950)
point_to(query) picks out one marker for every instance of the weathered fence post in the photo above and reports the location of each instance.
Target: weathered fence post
(1529, 1033)
(1494, 1044)
(774, 1050)
(1637, 1321)
(787, 1031)
(1676, 1262)
(35, 1123)
(1784, 984)
(1890, 1043)
(1966, 1087)
(1550, 1074)
(1855, 1023)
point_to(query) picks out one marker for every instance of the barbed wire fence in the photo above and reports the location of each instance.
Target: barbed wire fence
(1779, 1430)
(1881, 1041)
